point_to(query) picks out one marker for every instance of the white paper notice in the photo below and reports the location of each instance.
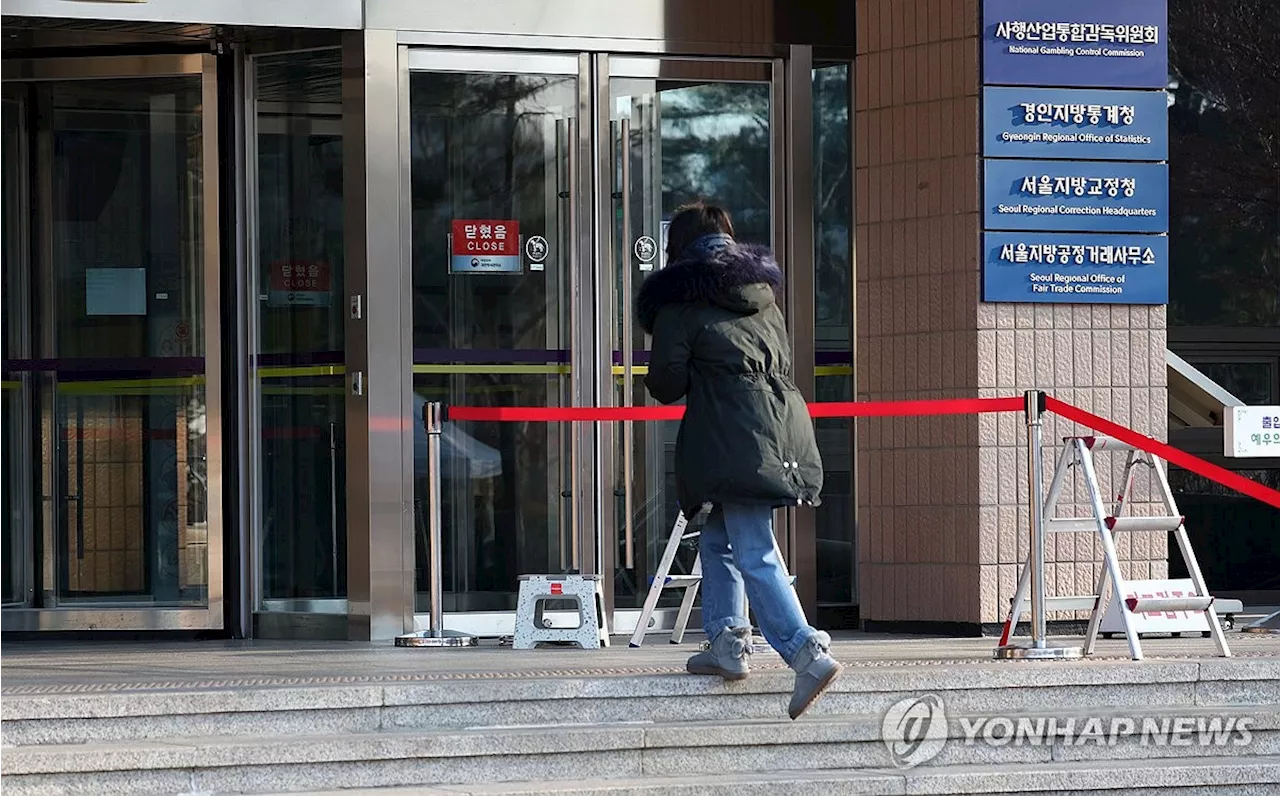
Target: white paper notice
(115, 291)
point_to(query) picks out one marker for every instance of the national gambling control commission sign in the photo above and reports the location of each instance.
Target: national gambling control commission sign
(1079, 43)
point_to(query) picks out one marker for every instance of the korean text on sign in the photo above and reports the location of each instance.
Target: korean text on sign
(482, 237)
(1066, 113)
(1046, 185)
(302, 276)
(1079, 254)
(1078, 32)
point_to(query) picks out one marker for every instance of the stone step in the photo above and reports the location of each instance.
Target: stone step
(560, 752)
(1248, 777)
(228, 709)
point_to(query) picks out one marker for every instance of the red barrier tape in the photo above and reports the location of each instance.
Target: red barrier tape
(571, 414)
(948, 406)
(956, 406)
(596, 414)
(1167, 452)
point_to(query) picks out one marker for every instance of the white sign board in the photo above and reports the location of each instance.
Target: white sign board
(1160, 622)
(1252, 431)
(115, 291)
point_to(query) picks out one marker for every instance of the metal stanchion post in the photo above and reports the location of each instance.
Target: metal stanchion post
(1035, 442)
(1039, 648)
(436, 636)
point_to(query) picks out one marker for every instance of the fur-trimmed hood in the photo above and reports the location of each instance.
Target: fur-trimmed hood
(741, 277)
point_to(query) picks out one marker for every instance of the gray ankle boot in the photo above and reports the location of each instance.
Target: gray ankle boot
(727, 656)
(815, 670)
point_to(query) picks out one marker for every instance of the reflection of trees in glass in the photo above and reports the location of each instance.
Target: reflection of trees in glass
(1224, 122)
(300, 211)
(833, 196)
(715, 147)
(480, 151)
(1249, 381)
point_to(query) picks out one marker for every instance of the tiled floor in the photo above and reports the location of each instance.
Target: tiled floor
(66, 667)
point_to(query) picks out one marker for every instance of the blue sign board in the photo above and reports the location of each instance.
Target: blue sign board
(1081, 43)
(1082, 124)
(1068, 268)
(1073, 196)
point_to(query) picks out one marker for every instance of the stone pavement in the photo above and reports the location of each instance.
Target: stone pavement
(66, 667)
(269, 717)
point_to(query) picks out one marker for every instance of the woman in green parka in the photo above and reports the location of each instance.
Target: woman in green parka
(746, 444)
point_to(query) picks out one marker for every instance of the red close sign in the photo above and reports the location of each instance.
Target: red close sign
(300, 283)
(295, 276)
(494, 238)
(483, 246)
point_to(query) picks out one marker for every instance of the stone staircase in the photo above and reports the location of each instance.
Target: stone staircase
(624, 732)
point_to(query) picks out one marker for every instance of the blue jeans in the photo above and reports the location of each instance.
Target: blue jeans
(738, 549)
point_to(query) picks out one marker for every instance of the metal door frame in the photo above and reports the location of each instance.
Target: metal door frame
(132, 616)
(580, 290)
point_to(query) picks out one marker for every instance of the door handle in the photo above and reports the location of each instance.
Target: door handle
(563, 243)
(79, 504)
(571, 167)
(628, 432)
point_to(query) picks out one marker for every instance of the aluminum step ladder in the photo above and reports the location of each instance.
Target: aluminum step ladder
(1077, 454)
(663, 579)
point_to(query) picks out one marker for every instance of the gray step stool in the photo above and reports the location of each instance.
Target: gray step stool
(592, 631)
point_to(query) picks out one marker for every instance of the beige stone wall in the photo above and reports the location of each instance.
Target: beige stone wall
(942, 501)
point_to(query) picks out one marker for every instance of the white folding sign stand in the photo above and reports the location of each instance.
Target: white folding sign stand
(1139, 606)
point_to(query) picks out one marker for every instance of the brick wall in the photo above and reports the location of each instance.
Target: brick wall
(942, 507)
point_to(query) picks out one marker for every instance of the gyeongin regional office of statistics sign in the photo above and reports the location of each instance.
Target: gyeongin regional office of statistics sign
(1083, 124)
(1075, 268)
(1080, 43)
(1075, 196)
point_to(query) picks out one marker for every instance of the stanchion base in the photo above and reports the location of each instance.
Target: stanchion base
(423, 638)
(1013, 652)
(1268, 625)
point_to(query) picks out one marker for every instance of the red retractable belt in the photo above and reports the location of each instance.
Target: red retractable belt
(1165, 451)
(602, 414)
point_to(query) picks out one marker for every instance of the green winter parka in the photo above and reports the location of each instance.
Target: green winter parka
(720, 341)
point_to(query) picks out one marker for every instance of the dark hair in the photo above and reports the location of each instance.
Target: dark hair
(691, 222)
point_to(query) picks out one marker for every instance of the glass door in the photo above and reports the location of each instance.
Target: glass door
(298, 332)
(540, 186)
(16, 504)
(495, 171)
(679, 131)
(112, 387)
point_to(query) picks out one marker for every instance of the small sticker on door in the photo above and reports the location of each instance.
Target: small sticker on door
(535, 248)
(646, 249)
